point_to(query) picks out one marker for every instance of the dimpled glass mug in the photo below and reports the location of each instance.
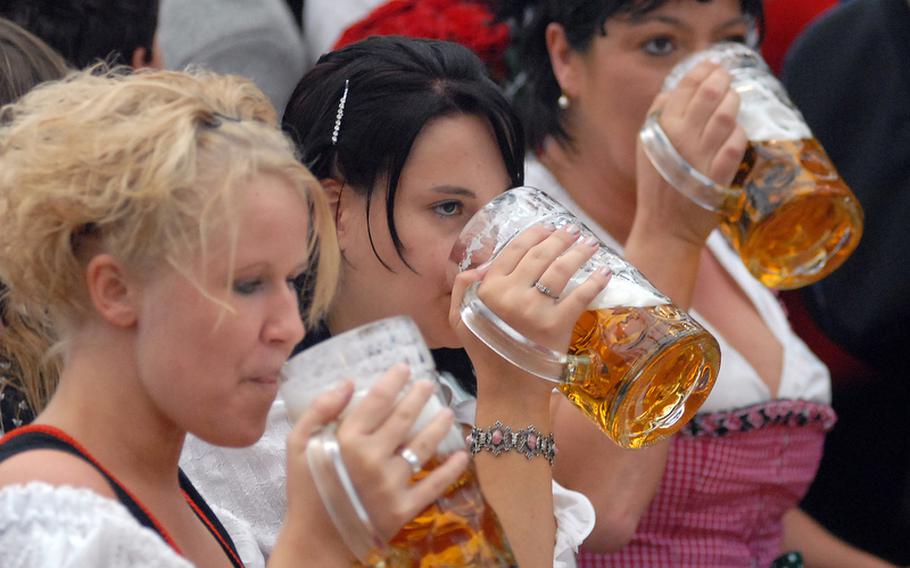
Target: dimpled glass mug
(638, 366)
(459, 528)
(788, 213)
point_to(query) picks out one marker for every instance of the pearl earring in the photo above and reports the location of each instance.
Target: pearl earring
(563, 101)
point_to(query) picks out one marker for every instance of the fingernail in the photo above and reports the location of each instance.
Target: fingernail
(400, 368)
(605, 272)
(592, 241)
(549, 227)
(572, 229)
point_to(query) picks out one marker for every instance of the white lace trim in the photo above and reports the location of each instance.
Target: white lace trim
(42, 525)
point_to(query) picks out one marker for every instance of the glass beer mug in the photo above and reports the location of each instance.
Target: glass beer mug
(638, 366)
(459, 528)
(788, 213)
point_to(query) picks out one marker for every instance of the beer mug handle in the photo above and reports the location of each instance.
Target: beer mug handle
(511, 345)
(340, 497)
(681, 174)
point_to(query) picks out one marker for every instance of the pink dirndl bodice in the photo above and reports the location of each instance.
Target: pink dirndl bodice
(729, 479)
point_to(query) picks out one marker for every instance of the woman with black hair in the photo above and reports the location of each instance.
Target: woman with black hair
(409, 138)
(724, 491)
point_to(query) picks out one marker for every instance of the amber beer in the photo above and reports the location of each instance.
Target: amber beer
(458, 529)
(444, 534)
(797, 220)
(650, 370)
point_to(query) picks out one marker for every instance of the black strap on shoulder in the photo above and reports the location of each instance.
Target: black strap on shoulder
(220, 533)
(30, 441)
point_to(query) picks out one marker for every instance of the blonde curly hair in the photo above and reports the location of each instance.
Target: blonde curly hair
(144, 165)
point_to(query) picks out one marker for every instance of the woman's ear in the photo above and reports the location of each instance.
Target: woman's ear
(113, 295)
(340, 205)
(563, 59)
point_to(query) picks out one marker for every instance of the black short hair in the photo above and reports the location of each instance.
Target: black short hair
(396, 85)
(86, 31)
(536, 98)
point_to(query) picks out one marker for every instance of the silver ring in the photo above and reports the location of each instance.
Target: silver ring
(409, 456)
(545, 291)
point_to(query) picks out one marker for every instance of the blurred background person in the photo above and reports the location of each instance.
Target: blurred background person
(26, 383)
(257, 39)
(849, 74)
(121, 32)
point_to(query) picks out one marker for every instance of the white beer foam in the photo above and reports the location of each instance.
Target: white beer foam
(764, 117)
(765, 112)
(619, 292)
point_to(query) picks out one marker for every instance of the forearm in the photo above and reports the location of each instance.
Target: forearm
(668, 262)
(620, 483)
(519, 490)
(820, 548)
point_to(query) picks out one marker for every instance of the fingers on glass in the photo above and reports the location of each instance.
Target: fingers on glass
(541, 256)
(374, 408)
(582, 296)
(515, 251)
(557, 276)
(429, 488)
(425, 442)
(392, 432)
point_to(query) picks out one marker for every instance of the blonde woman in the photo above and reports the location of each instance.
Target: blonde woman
(135, 210)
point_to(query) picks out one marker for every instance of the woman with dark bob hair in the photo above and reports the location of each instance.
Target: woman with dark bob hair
(725, 490)
(425, 140)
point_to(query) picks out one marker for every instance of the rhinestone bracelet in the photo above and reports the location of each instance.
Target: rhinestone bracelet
(498, 439)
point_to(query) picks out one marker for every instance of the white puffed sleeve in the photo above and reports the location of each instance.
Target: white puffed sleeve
(574, 522)
(46, 526)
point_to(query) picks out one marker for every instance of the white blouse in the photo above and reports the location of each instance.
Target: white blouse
(46, 526)
(738, 385)
(245, 488)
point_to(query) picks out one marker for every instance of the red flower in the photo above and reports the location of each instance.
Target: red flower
(468, 22)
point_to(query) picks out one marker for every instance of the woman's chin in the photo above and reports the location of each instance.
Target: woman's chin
(442, 339)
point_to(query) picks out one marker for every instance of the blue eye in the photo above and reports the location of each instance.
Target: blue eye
(448, 208)
(662, 45)
(248, 287)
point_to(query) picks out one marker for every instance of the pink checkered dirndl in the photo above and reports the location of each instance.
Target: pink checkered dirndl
(730, 477)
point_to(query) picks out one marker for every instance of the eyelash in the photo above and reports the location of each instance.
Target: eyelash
(646, 46)
(438, 207)
(250, 287)
(247, 287)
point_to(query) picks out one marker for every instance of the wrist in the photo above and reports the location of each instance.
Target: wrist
(652, 236)
(315, 539)
(521, 396)
(500, 438)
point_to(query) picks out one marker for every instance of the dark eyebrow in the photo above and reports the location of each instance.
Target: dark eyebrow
(454, 190)
(675, 22)
(639, 19)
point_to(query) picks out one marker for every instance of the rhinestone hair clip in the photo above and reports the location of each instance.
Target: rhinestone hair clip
(344, 98)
